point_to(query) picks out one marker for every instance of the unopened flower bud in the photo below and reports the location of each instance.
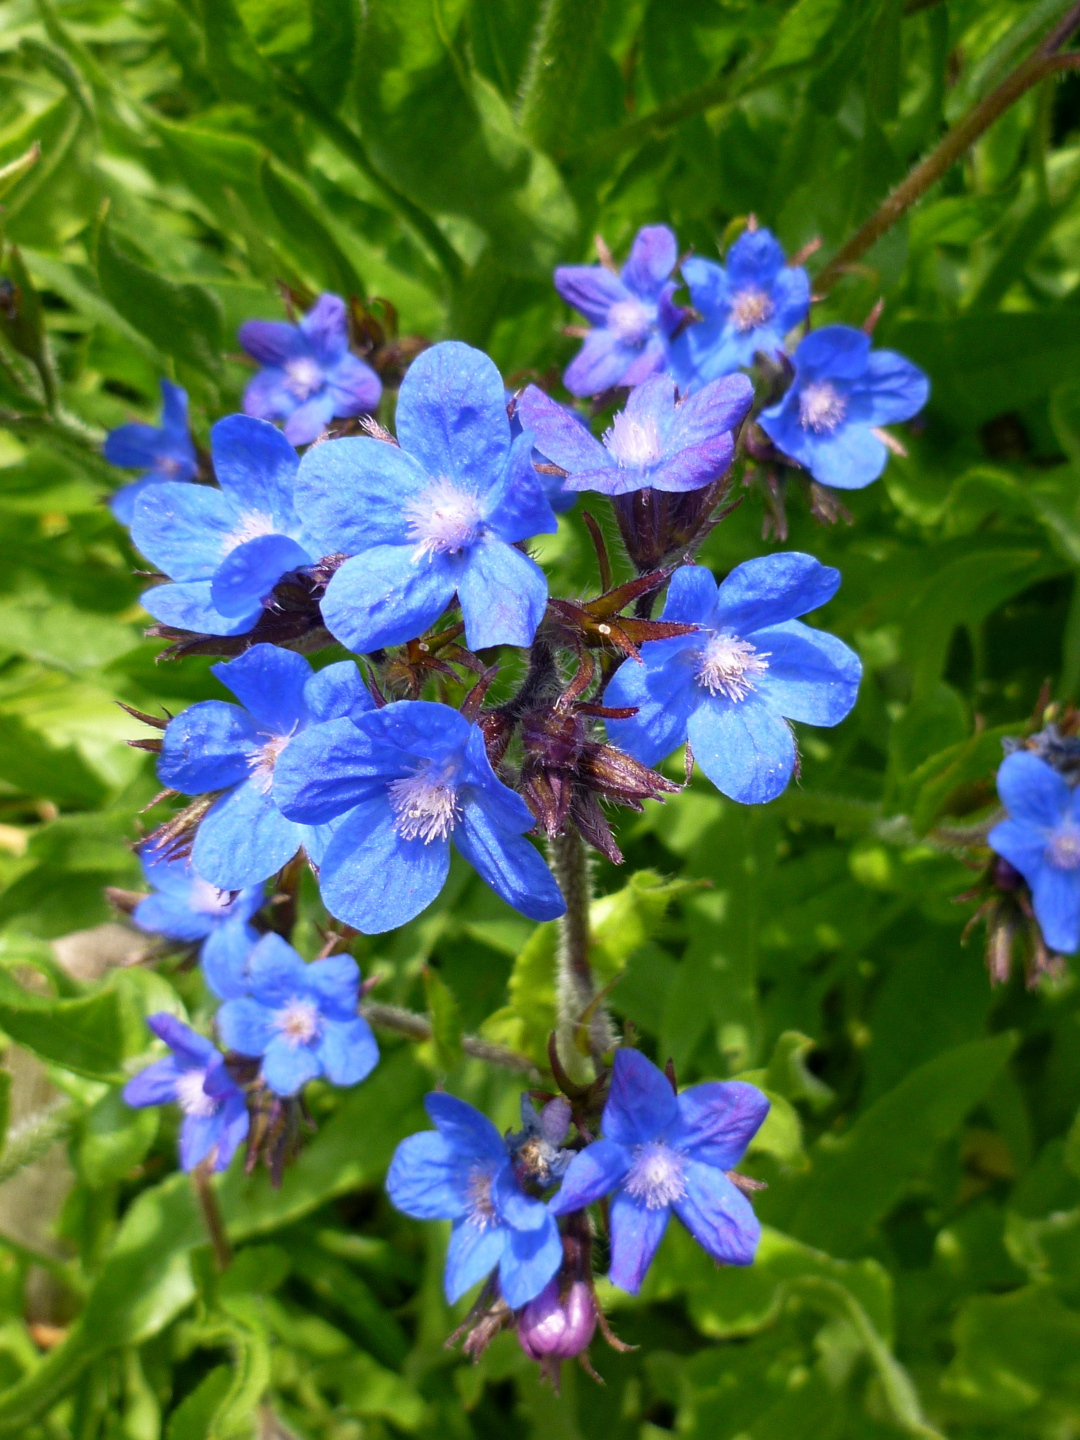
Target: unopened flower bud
(556, 1327)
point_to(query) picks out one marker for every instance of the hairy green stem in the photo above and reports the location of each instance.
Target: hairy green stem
(215, 1221)
(32, 1139)
(583, 1030)
(418, 1027)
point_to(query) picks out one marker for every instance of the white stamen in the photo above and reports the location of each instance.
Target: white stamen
(207, 899)
(656, 1175)
(261, 762)
(821, 407)
(480, 1205)
(298, 1021)
(303, 377)
(192, 1098)
(253, 524)
(635, 444)
(1063, 852)
(425, 805)
(630, 321)
(443, 520)
(730, 665)
(749, 309)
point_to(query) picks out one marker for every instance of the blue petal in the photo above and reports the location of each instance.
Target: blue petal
(335, 983)
(308, 421)
(467, 1131)
(327, 770)
(185, 530)
(245, 1026)
(418, 728)
(850, 459)
(243, 839)
(893, 389)
(666, 693)
(133, 447)
(352, 494)
(451, 415)
(249, 573)
(188, 607)
(122, 502)
(276, 973)
(156, 1085)
(374, 880)
(388, 595)
(268, 396)
(224, 959)
(601, 363)
(1055, 896)
(287, 1067)
(593, 1173)
(1022, 844)
(771, 589)
(256, 467)
(717, 408)
(503, 595)
(505, 808)
(743, 746)
(269, 682)
(718, 1119)
(192, 1047)
(530, 1259)
(198, 1136)
(326, 328)
(337, 690)
(473, 1252)
(1031, 790)
(691, 596)
(347, 1052)
(636, 1233)
(560, 436)
(590, 289)
(426, 1180)
(517, 507)
(234, 1123)
(719, 1216)
(513, 1207)
(641, 1103)
(206, 748)
(791, 299)
(812, 677)
(171, 916)
(754, 260)
(652, 259)
(709, 290)
(835, 352)
(272, 342)
(355, 387)
(513, 867)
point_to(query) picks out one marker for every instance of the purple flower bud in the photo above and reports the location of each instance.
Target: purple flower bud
(554, 1328)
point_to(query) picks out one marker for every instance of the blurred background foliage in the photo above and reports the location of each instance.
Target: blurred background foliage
(920, 1273)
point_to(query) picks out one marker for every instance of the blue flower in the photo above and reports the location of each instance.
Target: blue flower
(462, 1172)
(195, 1077)
(187, 907)
(310, 374)
(411, 775)
(656, 441)
(731, 688)
(554, 487)
(632, 314)
(440, 514)
(1041, 839)
(244, 838)
(302, 1019)
(226, 548)
(663, 1152)
(842, 392)
(162, 452)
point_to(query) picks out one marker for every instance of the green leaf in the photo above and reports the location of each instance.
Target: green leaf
(193, 1418)
(560, 56)
(305, 234)
(445, 1016)
(84, 1035)
(114, 1138)
(14, 170)
(802, 30)
(1014, 1352)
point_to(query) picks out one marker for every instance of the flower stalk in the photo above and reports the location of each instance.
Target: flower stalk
(578, 1004)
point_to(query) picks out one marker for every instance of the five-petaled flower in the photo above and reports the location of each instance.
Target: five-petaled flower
(632, 314)
(184, 906)
(225, 549)
(462, 1172)
(1041, 839)
(442, 512)
(662, 1153)
(302, 1019)
(842, 392)
(162, 452)
(747, 306)
(410, 776)
(194, 1076)
(657, 441)
(244, 838)
(731, 687)
(310, 375)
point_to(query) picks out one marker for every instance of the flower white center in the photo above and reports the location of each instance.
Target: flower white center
(192, 1098)
(298, 1021)
(635, 444)
(443, 520)
(168, 466)
(1063, 852)
(730, 666)
(253, 524)
(425, 804)
(478, 1199)
(261, 762)
(749, 309)
(656, 1175)
(207, 899)
(630, 321)
(821, 407)
(303, 377)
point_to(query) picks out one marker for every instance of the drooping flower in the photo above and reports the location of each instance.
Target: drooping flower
(310, 375)
(244, 838)
(184, 906)
(1041, 839)
(462, 1171)
(731, 688)
(632, 314)
(161, 452)
(657, 441)
(747, 305)
(194, 1076)
(300, 1018)
(440, 513)
(225, 549)
(662, 1153)
(842, 392)
(408, 778)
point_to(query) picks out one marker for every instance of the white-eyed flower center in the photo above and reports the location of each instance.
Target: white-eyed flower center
(168, 466)
(261, 762)
(192, 1098)
(730, 666)
(630, 321)
(749, 309)
(444, 520)
(481, 1207)
(298, 1021)
(635, 444)
(821, 407)
(1063, 852)
(425, 804)
(253, 525)
(207, 899)
(303, 377)
(656, 1176)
